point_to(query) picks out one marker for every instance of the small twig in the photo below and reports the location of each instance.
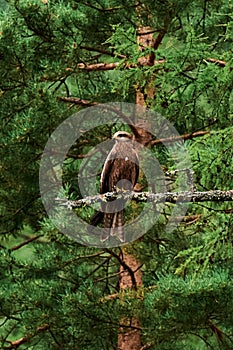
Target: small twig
(146, 346)
(25, 243)
(189, 219)
(71, 261)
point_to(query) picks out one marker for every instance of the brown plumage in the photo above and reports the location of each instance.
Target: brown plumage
(120, 172)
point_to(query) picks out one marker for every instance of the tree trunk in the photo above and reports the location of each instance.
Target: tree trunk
(130, 338)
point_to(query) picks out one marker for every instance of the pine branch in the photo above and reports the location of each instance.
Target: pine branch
(78, 101)
(169, 197)
(102, 51)
(110, 9)
(189, 219)
(216, 61)
(113, 65)
(109, 66)
(25, 243)
(159, 39)
(98, 66)
(87, 103)
(179, 137)
(139, 294)
(16, 343)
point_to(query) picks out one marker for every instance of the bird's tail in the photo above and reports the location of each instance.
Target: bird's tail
(113, 226)
(97, 218)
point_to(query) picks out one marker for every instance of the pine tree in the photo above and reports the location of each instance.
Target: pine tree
(57, 58)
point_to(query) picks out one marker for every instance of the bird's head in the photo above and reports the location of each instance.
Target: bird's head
(122, 136)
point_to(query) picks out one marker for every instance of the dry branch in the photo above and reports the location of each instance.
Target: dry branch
(113, 65)
(216, 61)
(98, 66)
(78, 101)
(110, 66)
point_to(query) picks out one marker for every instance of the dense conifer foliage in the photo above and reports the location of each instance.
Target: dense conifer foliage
(57, 57)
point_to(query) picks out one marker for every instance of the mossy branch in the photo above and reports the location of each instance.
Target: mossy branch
(170, 197)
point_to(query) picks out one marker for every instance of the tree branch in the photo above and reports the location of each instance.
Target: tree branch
(98, 66)
(179, 137)
(16, 343)
(113, 65)
(170, 197)
(109, 66)
(109, 9)
(25, 243)
(87, 103)
(78, 101)
(216, 61)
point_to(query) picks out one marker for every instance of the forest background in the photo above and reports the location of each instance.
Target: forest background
(57, 58)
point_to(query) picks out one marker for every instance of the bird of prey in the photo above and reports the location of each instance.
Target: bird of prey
(120, 172)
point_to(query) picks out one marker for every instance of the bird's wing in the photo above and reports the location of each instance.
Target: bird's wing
(104, 180)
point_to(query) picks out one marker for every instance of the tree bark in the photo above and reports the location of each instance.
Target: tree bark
(131, 340)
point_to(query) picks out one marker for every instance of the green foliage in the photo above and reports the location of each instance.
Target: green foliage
(214, 152)
(73, 291)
